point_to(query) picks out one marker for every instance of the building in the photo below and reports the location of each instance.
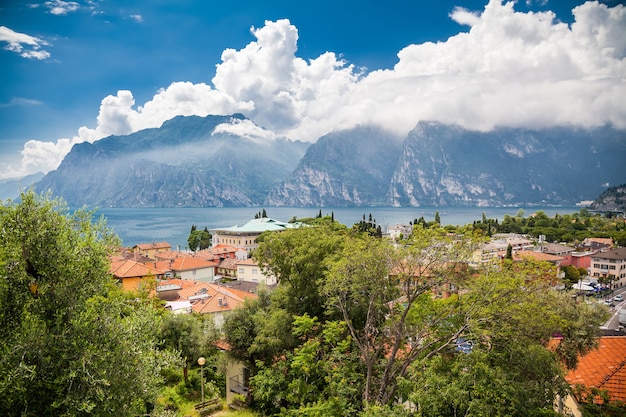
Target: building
(131, 275)
(610, 264)
(207, 298)
(491, 253)
(398, 231)
(248, 270)
(602, 370)
(565, 252)
(150, 250)
(192, 268)
(244, 237)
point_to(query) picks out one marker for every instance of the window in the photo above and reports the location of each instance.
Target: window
(254, 271)
(241, 270)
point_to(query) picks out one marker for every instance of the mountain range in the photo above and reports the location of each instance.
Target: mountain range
(208, 162)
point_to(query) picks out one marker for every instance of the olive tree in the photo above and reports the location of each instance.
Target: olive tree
(70, 342)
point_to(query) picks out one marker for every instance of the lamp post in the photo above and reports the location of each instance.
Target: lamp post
(201, 362)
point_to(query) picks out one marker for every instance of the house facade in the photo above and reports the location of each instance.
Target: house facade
(131, 275)
(150, 250)
(248, 270)
(194, 269)
(244, 237)
(609, 264)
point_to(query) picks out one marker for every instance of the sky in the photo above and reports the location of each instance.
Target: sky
(75, 71)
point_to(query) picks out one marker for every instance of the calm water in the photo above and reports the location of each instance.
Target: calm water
(144, 225)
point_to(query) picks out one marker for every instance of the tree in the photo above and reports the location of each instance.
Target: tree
(386, 298)
(79, 347)
(184, 333)
(199, 239)
(437, 217)
(510, 368)
(296, 258)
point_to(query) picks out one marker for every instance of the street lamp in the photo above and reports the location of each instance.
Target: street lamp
(201, 362)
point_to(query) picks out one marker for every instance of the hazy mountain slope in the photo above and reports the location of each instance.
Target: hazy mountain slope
(613, 199)
(347, 168)
(447, 165)
(183, 163)
(10, 188)
(194, 162)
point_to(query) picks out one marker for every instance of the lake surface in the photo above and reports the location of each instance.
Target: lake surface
(172, 225)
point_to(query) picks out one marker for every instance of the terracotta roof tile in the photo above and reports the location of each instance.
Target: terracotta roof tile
(219, 299)
(132, 269)
(603, 368)
(153, 245)
(188, 263)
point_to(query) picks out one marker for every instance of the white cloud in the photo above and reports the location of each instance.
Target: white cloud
(245, 128)
(509, 69)
(137, 18)
(16, 42)
(60, 7)
(464, 17)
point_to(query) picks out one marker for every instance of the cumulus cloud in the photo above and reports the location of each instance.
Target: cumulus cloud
(60, 7)
(245, 128)
(507, 69)
(25, 45)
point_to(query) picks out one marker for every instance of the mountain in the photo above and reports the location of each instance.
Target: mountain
(10, 188)
(446, 165)
(613, 200)
(443, 165)
(187, 162)
(347, 168)
(202, 162)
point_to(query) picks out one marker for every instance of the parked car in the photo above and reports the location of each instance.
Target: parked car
(609, 302)
(618, 297)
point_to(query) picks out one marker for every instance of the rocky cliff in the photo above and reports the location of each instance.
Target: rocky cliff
(201, 162)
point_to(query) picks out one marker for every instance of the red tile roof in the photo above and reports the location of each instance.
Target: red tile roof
(153, 245)
(219, 298)
(188, 263)
(603, 368)
(132, 269)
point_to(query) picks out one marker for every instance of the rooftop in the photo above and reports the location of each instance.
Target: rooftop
(261, 225)
(603, 368)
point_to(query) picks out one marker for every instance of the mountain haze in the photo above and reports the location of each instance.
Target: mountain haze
(209, 162)
(187, 162)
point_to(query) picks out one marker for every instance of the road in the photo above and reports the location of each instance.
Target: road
(613, 322)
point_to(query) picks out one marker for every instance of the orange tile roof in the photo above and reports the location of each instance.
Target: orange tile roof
(539, 256)
(229, 263)
(132, 269)
(172, 254)
(153, 245)
(188, 263)
(603, 368)
(230, 298)
(222, 248)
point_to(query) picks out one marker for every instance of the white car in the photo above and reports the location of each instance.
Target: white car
(618, 297)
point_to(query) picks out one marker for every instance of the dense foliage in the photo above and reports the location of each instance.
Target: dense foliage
(572, 228)
(358, 327)
(70, 343)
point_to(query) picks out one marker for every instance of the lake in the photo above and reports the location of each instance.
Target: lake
(172, 225)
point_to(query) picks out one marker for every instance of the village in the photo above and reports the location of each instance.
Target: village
(219, 279)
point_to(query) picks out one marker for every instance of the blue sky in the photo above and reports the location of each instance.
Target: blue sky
(77, 71)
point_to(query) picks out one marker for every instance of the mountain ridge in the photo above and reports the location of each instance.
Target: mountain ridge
(189, 162)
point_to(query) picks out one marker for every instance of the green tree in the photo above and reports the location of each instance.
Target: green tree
(79, 347)
(199, 239)
(184, 333)
(437, 218)
(509, 368)
(296, 258)
(385, 297)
